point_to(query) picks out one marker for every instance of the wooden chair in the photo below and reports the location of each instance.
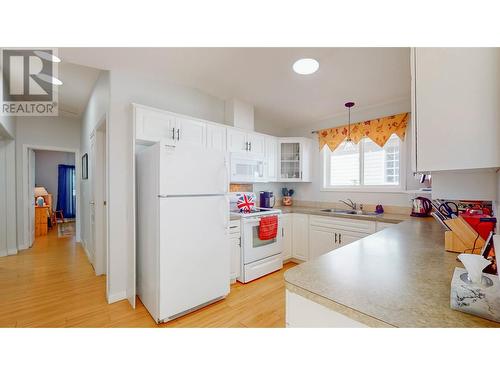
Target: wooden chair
(61, 216)
(53, 214)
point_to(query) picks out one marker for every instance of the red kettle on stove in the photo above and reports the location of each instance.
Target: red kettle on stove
(421, 207)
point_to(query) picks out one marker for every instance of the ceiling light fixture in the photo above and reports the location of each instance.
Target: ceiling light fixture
(305, 66)
(348, 143)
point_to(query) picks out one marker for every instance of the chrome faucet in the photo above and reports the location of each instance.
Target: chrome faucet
(349, 203)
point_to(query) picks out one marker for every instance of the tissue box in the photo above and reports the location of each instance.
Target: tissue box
(480, 300)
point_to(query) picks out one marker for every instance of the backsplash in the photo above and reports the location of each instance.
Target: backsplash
(233, 188)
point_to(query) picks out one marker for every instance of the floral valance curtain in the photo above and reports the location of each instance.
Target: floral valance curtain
(378, 130)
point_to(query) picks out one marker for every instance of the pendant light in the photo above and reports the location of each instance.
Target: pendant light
(348, 143)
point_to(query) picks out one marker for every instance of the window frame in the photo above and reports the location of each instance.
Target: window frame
(400, 188)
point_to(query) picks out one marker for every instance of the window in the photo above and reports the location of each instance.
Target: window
(366, 165)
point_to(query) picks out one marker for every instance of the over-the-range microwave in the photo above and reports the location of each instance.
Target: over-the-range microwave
(247, 167)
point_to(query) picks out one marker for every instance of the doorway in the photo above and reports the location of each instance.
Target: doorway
(51, 193)
(98, 172)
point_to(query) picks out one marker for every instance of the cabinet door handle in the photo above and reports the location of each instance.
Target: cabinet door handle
(282, 232)
(335, 237)
(246, 146)
(250, 146)
(340, 238)
(173, 134)
(178, 134)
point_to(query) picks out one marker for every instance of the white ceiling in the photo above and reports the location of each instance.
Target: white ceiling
(75, 91)
(264, 76)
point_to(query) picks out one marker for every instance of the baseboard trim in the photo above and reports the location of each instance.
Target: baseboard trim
(115, 297)
(11, 251)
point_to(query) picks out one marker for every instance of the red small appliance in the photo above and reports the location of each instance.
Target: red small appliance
(421, 207)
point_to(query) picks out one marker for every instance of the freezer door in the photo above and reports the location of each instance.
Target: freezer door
(192, 171)
(194, 252)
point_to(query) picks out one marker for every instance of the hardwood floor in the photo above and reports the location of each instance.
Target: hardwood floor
(53, 285)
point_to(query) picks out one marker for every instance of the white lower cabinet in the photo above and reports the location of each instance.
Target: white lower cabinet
(330, 233)
(286, 236)
(235, 248)
(346, 237)
(304, 313)
(300, 236)
(321, 241)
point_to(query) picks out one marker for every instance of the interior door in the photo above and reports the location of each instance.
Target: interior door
(92, 168)
(31, 196)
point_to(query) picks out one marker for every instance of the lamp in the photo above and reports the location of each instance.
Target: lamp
(40, 191)
(348, 143)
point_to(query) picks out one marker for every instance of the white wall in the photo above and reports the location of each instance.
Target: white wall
(42, 133)
(47, 169)
(312, 191)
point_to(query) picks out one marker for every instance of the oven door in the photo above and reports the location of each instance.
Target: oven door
(253, 247)
(246, 168)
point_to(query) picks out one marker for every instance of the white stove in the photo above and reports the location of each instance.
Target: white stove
(257, 212)
(259, 257)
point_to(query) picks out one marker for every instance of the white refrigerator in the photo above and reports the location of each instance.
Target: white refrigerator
(183, 250)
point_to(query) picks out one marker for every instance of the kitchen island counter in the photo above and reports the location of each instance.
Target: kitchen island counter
(398, 277)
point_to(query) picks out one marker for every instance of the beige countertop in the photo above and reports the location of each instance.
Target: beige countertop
(385, 217)
(396, 277)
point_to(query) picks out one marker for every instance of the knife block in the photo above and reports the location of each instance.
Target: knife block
(462, 237)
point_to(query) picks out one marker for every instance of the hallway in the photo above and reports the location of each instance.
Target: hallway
(54, 285)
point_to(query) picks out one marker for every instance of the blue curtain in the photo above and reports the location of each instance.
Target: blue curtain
(66, 193)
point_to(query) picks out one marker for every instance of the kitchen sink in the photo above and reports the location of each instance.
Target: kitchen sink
(348, 212)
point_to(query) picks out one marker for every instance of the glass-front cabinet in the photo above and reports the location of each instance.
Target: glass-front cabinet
(294, 159)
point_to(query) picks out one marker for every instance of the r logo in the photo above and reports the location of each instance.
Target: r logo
(28, 82)
(26, 76)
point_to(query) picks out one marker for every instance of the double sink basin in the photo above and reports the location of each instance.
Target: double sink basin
(348, 212)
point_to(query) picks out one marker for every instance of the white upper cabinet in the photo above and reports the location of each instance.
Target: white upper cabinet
(190, 132)
(455, 108)
(271, 152)
(242, 141)
(256, 143)
(294, 159)
(237, 140)
(216, 137)
(152, 125)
